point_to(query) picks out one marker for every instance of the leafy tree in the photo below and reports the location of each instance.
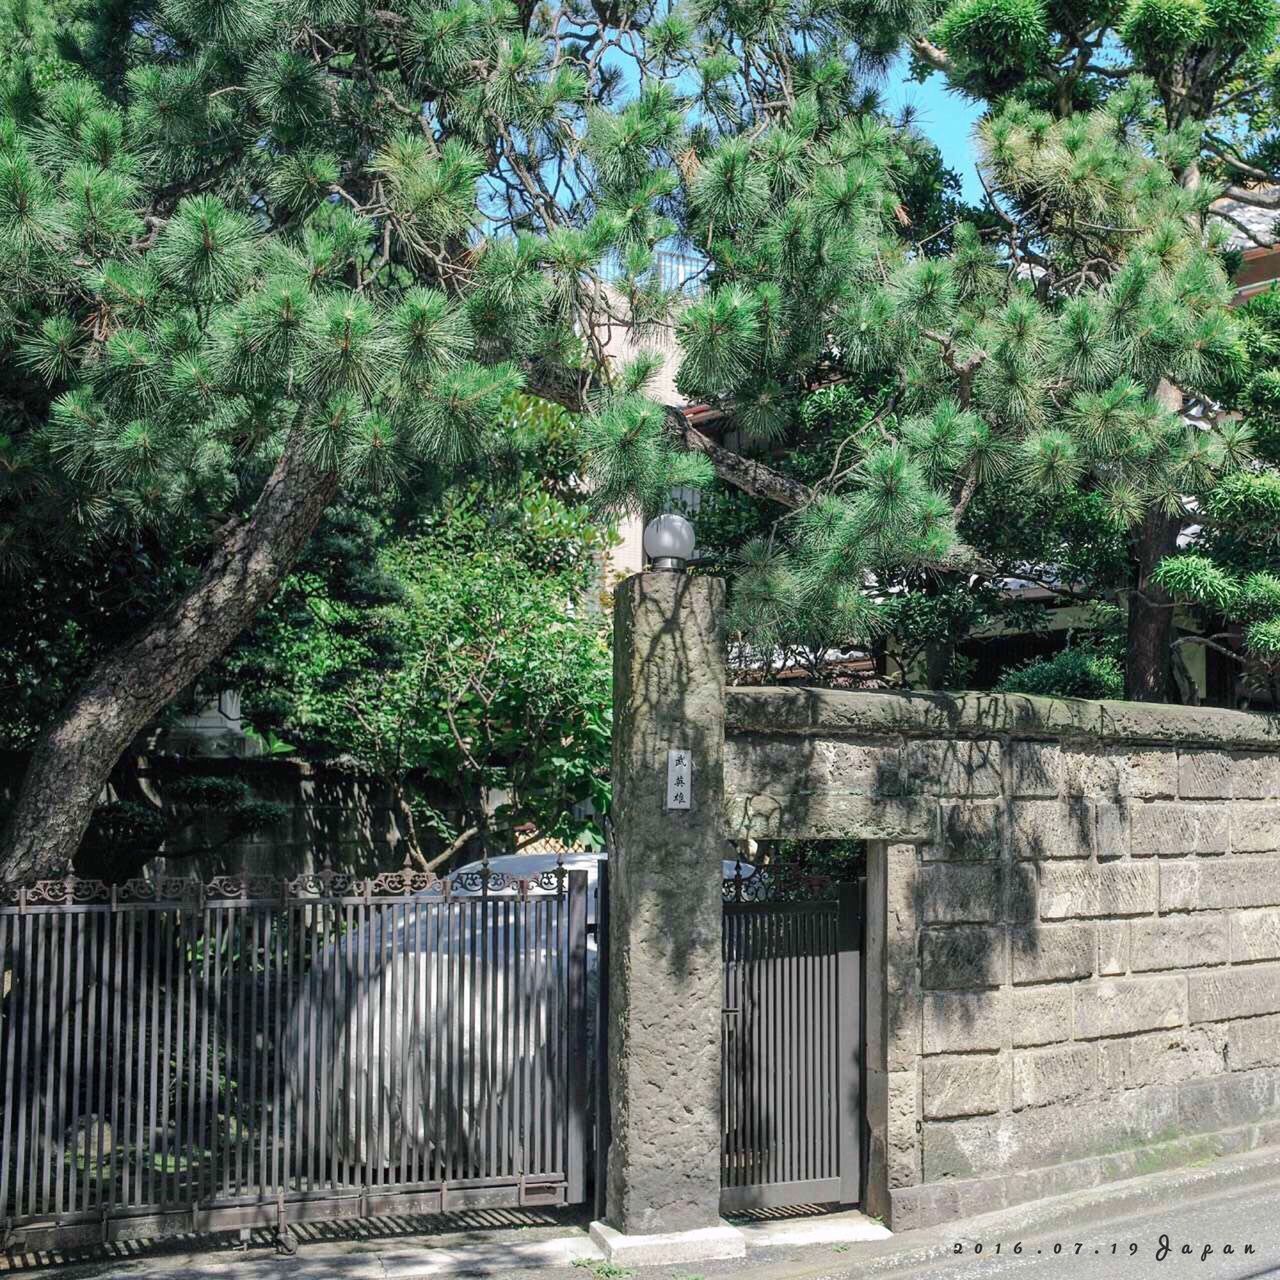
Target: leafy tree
(469, 654)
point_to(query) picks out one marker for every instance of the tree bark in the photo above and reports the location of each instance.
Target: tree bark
(1148, 649)
(1148, 655)
(74, 756)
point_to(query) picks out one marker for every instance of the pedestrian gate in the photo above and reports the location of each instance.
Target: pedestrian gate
(791, 1047)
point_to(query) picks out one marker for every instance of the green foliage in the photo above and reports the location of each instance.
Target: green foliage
(1081, 672)
(469, 660)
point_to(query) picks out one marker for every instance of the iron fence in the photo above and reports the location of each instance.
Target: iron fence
(179, 1057)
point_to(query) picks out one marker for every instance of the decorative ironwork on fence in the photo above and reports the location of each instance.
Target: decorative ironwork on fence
(185, 1057)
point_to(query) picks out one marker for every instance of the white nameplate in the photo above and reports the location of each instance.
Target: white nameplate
(679, 779)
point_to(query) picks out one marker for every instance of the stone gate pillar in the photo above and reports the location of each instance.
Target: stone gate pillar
(665, 969)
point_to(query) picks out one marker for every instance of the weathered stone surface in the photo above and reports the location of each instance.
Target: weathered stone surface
(1204, 775)
(1255, 935)
(1164, 830)
(1089, 889)
(1179, 886)
(1173, 1056)
(1178, 942)
(1053, 1075)
(1050, 953)
(954, 768)
(1225, 1101)
(952, 894)
(971, 832)
(961, 1022)
(903, 1149)
(665, 921)
(1153, 773)
(1095, 771)
(1035, 769)
(1254, 1042)
(986, 715)
(963, 957)
(777, 764)
(1213, 828)
(1255, 827)
(968, 1084)
(1211, 886)
(1048, 1135)
(1043, 829)
(1234, 993)
(1041, 1015)
(1120, 1006)
(1021, 891)
(1113, 947)
(829, 815)
(1255, 775)
(1112, 829)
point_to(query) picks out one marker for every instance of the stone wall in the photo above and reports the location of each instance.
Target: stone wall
(1073, 928)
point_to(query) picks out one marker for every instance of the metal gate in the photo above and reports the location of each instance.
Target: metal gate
(791, 1046)
(178, 1057)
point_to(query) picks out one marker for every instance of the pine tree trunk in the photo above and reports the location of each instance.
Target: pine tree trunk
(1148, 655)
(75, 755)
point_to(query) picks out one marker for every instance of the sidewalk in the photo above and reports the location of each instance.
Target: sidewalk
(811, 1248)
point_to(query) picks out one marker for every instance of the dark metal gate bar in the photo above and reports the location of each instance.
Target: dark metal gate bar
(179, 1058)
(790, 1056)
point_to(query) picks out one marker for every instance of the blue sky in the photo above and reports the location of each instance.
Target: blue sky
(944, 117)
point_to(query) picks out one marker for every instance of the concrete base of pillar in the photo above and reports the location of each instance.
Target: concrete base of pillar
(702, 1245)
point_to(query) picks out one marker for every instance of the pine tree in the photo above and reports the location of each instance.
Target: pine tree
(1211, 69)
(256, 253)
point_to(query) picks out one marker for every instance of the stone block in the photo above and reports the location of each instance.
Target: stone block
(1088, 889)
(1121, 1006)
(1226, 1101)
(1051, 953)
(1021, 896)
(1040, 1015)
(1234, 993)
(971, 832)
(1178, 942)
(1255, 775)
(1153, 774)
(1164, 830)
(1204, 775)
(1179, 886)
(776, 764)
(1255, 828)
(964, 956)
(1112, 832)
(1044, 829)
(1035, 769)
(963, 1022)
(1054, 1075)
(1113, 1065)
(1231, 882)
(1096, 772)
(668, 1248)
(1255, 935)
(1113, 947)
(1254, 1042)
(1174, 1056)
(957, 767)
(902, 1139)
(1213, 828)
(967, 1084)
(952, 894)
